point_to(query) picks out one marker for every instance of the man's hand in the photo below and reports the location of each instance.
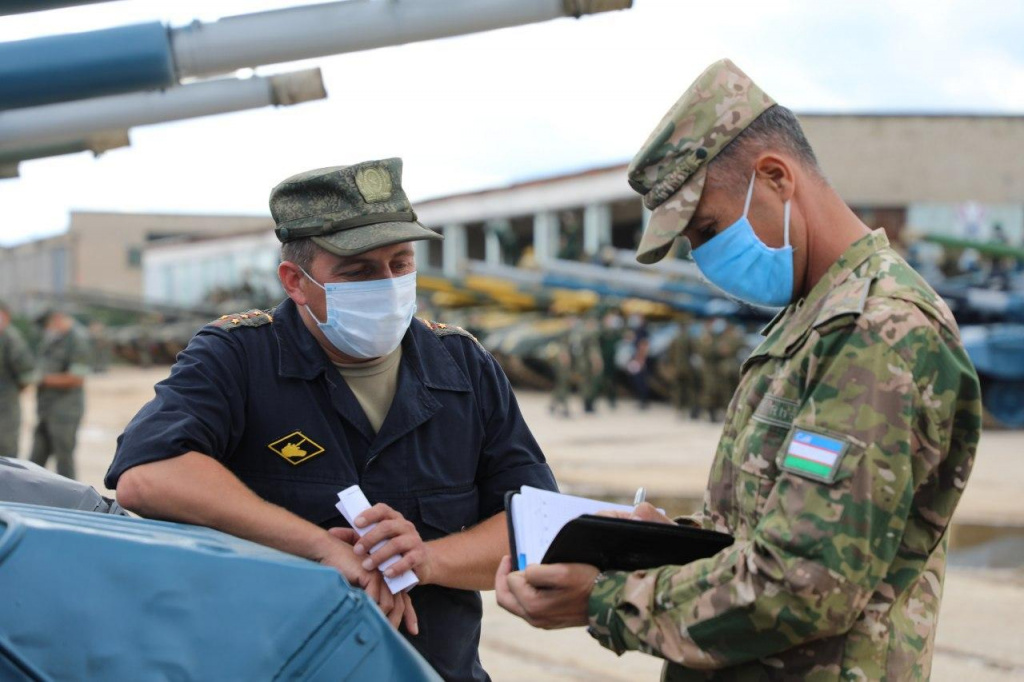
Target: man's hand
(400, 537)
(645, 511)
(397, 608)
(546, 596)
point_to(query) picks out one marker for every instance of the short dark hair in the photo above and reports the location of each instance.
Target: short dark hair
(777, 128)
(301, 252)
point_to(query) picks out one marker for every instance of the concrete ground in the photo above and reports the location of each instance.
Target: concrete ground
(609, 455)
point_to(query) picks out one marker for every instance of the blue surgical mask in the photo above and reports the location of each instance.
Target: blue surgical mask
(367, 319)
(740, 264)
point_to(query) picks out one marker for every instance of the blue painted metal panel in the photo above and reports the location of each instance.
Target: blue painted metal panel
(81, 65)
(104, 597)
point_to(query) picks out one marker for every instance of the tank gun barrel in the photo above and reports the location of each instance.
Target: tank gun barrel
(26, 6)
(58, 124)
(147, 56)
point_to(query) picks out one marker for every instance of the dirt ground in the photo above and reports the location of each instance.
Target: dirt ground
(609, 455)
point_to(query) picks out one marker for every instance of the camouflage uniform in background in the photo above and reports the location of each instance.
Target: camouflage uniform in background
(835, 574)
(716, 385)
(59, 410)
(730, 345)
(586, 358)
(685, 386)
(557, 353)
(845, 451)
(16, 371)
(609, 338)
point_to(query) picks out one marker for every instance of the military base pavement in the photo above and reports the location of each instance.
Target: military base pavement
(609, 454)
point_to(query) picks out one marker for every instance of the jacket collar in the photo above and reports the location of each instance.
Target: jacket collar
(300, 355)
(790, 325)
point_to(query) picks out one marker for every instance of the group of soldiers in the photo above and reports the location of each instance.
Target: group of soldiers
(700, 368)
(585, 352)
(57, 368)
(703, 367)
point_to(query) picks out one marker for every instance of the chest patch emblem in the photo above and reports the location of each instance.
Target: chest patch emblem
(813, 455)
(296, 448)
(776, 411)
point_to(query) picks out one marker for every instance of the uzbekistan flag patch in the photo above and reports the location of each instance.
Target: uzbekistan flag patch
(814, 455)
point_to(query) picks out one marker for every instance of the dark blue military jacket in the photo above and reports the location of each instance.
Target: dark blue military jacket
(263, 398)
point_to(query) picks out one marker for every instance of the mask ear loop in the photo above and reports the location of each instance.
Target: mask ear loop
(750, 194)
(306, 306)
(785, 220)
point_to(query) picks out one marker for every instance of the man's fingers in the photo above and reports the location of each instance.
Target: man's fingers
(544, 576)
(374, 514)
(372, 588)
(645, 511)
(397, 611)
(504, 595)
(412, 624)
(384, 530)
(615, 514)
(409, 562)
(346, 535)
(403, 544)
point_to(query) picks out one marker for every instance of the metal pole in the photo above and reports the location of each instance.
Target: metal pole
(22, 6)
(66, 122)
(295, 33)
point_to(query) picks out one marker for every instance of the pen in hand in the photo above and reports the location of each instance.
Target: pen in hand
(638, 499)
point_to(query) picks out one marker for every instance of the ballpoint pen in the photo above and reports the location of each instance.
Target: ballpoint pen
(641, 495)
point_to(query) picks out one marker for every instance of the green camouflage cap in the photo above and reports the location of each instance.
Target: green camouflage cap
(347, 210)
(671, 166)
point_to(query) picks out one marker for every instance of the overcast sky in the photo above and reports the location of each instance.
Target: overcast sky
(489, 109)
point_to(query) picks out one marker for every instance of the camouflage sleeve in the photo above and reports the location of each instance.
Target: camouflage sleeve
(890, 390)
(80, 360)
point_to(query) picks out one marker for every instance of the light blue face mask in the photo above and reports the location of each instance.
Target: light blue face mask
(740, 264)
(367, 319)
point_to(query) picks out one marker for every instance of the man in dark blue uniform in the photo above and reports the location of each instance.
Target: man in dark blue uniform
(267, 416)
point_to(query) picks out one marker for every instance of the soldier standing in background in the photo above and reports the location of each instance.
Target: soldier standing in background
(586, 355)
(16, 369)
(845, 450)
(102, 349)
(64, 362)
(557, 353)
(684, 376)
(731, 345)
(609, 338)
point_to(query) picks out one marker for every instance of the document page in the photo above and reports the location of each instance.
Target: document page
(538, 515)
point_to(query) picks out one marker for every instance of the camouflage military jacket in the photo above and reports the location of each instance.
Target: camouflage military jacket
(845, 451)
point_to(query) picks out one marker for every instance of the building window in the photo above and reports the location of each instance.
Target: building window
(134, 257)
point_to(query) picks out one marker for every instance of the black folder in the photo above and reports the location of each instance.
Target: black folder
(613, 544)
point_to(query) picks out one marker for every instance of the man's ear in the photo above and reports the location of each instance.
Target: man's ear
(291, 279)
(779, 172)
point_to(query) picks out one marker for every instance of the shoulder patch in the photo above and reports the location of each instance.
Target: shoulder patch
(441, 329)
(847, 300)
(252, 318)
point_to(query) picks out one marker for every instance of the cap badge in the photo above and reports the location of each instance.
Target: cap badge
(374, 183)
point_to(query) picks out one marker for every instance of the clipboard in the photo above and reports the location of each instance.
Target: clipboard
(613, 544)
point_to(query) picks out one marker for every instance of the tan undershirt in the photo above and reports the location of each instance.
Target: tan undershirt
(374, 384)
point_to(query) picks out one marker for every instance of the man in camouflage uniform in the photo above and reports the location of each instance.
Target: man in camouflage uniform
(586, 356)
(684, 376)
(846, 447)
(64, 362)
(16, 369)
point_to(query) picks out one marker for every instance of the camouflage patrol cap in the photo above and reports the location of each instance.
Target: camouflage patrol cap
(671, 166)
(347, 210)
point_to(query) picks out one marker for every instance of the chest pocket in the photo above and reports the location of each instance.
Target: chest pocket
(756, 468)
(767, 414)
